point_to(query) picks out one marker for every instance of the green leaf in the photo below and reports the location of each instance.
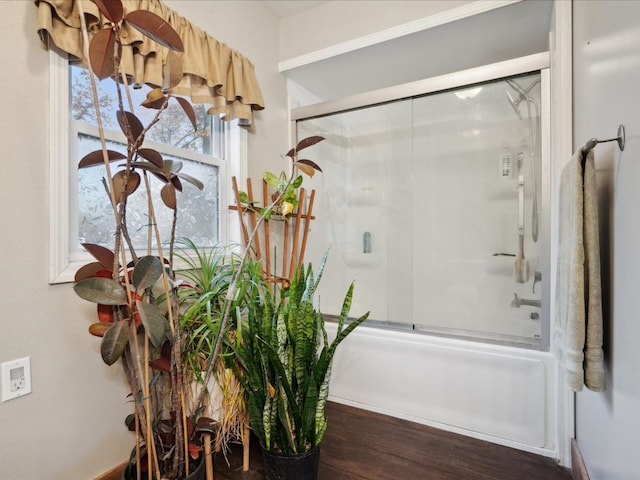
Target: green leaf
(114, 342)
(271, 179)
(297, 182)
(275, 362)
(146, 272)
(101, 290)
(154, 322)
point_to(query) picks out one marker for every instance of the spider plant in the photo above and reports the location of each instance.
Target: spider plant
(206, 275)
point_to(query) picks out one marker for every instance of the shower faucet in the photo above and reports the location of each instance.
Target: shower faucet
(517, 302)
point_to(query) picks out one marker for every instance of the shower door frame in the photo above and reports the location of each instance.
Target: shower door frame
(538, 62)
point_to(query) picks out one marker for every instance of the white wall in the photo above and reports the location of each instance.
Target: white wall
(606, 46)
(71, 426)
(340, 21)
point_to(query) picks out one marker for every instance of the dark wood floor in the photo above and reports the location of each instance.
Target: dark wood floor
(362, 445)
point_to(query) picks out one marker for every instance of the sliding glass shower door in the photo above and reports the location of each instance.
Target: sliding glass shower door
(433, 205)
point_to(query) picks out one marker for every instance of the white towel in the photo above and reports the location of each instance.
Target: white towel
(578, 327)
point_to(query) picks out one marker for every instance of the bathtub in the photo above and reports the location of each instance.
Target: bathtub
(491, 392)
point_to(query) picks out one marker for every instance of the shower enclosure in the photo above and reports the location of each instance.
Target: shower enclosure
(437, 206)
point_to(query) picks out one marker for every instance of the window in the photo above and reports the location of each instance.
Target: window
(80, 208)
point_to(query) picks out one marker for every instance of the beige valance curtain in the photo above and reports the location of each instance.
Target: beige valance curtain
(214, 74)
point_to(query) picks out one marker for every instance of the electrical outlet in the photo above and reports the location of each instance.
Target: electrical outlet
(16, 378)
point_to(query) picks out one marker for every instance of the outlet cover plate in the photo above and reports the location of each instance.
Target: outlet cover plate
(16, 378)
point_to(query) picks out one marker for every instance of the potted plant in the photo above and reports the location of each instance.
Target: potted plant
(286, 358)
(148, 318)
(283, 356)
(169, 333)
(206, 276)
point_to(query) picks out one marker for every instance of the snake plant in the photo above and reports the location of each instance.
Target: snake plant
(284, 361)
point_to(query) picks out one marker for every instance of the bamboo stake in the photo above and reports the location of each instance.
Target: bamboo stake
(265, 226)
(307, 224)
(137, 420)
(285, 248)
(185, 434)
(245, 447)
(252, 217)
(296, 233)
(207, 456)
(147, 399)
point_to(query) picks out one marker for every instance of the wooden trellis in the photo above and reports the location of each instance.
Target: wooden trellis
(297, 223)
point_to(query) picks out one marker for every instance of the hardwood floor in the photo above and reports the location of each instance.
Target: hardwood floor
(363, 445)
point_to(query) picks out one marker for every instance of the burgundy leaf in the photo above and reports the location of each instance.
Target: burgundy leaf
(101, 53)
(304, 143)
(165, 351)
(194, 451)
(100, 253)
(89, 270)
(152, 156)
(312, 164)
(176, 183)
(155, 28)
(155, 99)
(168, 195)
(188, 109)
(135, 125)
(206, 425)
(161, 364)
(112, 9)
(99, 329)
(176, 71)
(121, 190)
(306, 169)
(105, 313)
(96, 158)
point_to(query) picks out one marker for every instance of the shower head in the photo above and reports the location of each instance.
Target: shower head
(514, 104)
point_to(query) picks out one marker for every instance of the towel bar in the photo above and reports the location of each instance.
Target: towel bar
(594, 141)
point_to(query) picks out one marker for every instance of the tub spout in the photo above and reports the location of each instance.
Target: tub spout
(517, 302)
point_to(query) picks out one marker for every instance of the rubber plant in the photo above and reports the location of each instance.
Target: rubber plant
(138, 296)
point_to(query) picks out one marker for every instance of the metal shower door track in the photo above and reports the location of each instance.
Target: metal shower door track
(494, 71)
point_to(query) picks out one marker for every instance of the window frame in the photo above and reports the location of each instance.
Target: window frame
(63, 262)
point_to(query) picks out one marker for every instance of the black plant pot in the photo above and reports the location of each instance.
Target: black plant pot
(200, 472)
(282, 466)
